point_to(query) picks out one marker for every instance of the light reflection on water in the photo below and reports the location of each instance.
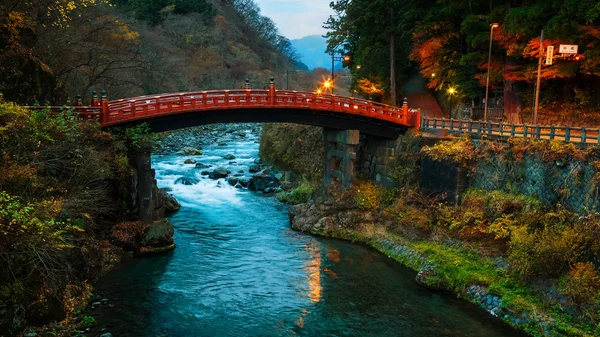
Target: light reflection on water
(239, 270)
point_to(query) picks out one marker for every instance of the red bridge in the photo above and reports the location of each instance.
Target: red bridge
(174, 111)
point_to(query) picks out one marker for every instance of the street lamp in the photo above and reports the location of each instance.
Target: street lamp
(487, 81)
(451, 92)
(328, 85)
(334, 58)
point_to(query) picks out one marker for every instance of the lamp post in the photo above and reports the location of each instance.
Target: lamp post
(328, 85)
(487, 81)
(333, 59)
(451, 92)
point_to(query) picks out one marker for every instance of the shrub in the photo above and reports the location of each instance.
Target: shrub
(367, 196)
(582, 285)
(406, 216)
(460, 151)
(545, 252)
(299, 195)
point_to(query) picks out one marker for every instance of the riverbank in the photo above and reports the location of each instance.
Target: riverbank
(442, 262)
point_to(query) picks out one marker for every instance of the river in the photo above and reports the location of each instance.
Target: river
(239, 270)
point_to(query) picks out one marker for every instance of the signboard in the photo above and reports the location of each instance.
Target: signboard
(549, 55)
(568, 49)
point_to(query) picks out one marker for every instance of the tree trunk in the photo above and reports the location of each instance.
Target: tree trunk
(393, 90)
(513, 104)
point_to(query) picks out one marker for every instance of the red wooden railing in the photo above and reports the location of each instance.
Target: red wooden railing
(122, 111)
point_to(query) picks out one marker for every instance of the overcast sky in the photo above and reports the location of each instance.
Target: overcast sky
(297, 18)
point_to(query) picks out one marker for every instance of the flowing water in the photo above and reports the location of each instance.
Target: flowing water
(239, 270)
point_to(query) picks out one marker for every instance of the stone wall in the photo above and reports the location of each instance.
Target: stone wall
(570, 181)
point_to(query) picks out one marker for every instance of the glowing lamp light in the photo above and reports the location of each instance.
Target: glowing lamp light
(327, 84)
(358, 67)
(319, 91)
(495, 25)
(451, 91)
(346, 58)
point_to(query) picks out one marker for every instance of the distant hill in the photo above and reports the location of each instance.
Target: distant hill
(312, 51)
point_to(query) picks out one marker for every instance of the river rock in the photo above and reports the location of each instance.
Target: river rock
(243, 182)
(241, 134)
(427, 278)
(205, 173)
(263, 180)
(189, 161)
(222, 144)
(159, 234)
(187, 181)
(171, 204)
(254, 169)
(229, 156)
(220, 172)
(232, 181)
(190, 151)
(202, 166)
(108, 334)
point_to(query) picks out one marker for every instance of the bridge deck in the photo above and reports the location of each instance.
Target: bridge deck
(126, 111)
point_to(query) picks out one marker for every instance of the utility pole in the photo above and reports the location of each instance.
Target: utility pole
(539, 79)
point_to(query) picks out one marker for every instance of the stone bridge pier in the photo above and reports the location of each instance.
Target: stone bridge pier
(144, 192)
(340, 155)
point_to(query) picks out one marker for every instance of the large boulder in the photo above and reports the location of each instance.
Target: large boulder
(190, 151)
(229, 157)
(171, 204)
(263, 180)
(190, 180)
(159, 234)
(220, 172)
(189, 161)
(254, 168)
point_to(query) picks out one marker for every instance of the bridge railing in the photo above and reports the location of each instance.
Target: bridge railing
(84, 112)
(498, 129)
(147, 106)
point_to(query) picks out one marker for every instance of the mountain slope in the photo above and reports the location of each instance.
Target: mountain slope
(312, 52)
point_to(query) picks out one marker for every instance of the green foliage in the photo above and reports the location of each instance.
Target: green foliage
(138, 135)
(153, 11)
(294, 147)
(299, 195)
(58, 184)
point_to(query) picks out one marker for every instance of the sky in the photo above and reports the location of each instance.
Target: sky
(297, 18)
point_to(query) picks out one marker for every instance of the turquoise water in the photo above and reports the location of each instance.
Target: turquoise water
(239, 270)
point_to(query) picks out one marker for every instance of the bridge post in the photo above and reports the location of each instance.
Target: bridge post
(272, 90)
(247, 84)
(104, 107)
(79, 101)
(405, 117)
(340, 155)
(95, 98)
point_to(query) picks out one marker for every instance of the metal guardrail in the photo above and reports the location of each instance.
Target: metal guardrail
(498, 129)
